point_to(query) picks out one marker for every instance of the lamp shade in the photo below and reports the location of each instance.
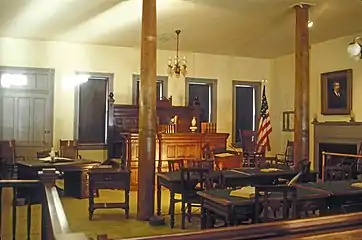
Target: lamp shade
(354, 49)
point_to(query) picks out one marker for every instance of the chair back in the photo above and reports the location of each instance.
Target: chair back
(274, 198)
(193, 179)
(289, 153)
(68, 149)
(215, 180)
(7, 152)
(175, 165)
(248, 140)
(206, 164)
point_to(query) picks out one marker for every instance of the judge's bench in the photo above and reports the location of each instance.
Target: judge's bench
(178, 135)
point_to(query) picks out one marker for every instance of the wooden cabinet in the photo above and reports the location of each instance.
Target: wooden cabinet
(173, 146)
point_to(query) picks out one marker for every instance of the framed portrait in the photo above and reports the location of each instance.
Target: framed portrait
(288, 121)
(336, 94)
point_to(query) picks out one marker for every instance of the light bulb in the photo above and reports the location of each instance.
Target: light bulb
(354, 49)
(310, 24)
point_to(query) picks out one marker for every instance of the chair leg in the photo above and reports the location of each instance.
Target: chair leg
(183, 213)
(127, 203)
(189, 206)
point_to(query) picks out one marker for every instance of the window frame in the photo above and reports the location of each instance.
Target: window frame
(137, 77)
(257, 85)
(213, 84)
(110, 80)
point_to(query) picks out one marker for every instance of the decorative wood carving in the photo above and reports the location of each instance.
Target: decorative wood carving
(186, 146)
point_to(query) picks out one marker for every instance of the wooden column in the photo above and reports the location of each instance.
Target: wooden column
(301, 101)
(147, 113)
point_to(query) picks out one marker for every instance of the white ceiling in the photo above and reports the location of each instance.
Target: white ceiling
(251, 28)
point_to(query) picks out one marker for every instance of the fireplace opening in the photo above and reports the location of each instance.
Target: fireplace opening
(335, 148)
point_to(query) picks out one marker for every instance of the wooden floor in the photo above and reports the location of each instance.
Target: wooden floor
(108, 221)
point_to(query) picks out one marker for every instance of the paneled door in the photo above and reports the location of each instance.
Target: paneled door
(26, 109)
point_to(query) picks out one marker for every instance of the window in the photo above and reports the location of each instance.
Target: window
(92, 107)
(246, 97)
(205, 91)
(161, 88)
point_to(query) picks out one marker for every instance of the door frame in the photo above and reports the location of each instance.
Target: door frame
(51, 77)
(103, 76)
(137, 77)
(257, 85)
(207, 81)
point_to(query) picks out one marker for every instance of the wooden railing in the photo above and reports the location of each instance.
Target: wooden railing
(342, 155)
(54, 222)
(282, 229)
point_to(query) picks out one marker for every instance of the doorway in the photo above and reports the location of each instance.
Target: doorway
(246, 105)
(26, 108)
(205, 90)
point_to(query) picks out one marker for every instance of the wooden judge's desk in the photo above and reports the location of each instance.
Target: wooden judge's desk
(170, 146)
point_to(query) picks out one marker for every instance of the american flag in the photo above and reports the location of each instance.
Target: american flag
(265, 127)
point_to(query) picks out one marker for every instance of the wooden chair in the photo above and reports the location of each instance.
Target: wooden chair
(252, 156)
(8, 159)
(69, 149)
(339, 168)
(174, 165)
(275, 198)
(207, 164)
(104, 177)
(215, 180)
(287, 157)
(192, 181)
(248, 143)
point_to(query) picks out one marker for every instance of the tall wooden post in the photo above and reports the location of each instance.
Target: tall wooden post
(147, 113)
(301, 101)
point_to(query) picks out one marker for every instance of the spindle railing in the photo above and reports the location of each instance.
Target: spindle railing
(54, 222)
(325, 155)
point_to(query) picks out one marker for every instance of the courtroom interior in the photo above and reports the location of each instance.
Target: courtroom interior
(180, 119)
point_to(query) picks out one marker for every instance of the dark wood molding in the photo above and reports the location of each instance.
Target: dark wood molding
(335, 133)
(288, 121)
(92, 146)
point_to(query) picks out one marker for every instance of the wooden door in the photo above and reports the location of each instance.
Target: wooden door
(26, 112)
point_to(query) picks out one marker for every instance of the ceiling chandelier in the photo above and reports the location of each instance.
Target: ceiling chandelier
(354, 49)
(177, 67)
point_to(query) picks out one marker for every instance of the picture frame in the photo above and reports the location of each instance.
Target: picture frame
(288, 121)
(336, 92)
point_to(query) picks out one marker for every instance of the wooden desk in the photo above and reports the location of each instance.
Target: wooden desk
(221, 203)
(108, 178)
(170, 146)
(233, 178)
(228, 160)
(75, 174)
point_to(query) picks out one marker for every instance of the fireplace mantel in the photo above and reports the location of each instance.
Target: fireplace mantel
(335, 132)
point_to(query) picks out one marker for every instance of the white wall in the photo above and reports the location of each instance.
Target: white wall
(324, 57)
(66, 58)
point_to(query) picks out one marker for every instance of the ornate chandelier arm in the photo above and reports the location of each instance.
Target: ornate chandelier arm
(358, 40)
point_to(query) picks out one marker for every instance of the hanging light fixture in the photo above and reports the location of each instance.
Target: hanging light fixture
(354, 49)
(177, 67)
